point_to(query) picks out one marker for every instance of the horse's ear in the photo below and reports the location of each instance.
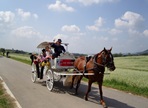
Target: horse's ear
(104, 49)
(110, 49)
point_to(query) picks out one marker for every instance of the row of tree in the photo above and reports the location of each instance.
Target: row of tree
(6, 52)
(2, 50)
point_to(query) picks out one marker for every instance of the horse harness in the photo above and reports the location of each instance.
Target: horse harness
(96, 65)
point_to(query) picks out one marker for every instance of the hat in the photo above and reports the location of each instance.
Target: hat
(59, 40)
(43, 50)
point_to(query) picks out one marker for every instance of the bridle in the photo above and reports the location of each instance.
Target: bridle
(97, 66)
(104, 59)
(95, 57)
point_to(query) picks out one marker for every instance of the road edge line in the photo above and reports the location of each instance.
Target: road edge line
(10, 93)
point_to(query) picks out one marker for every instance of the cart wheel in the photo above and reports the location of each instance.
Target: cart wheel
(33, 74)
(50, 80)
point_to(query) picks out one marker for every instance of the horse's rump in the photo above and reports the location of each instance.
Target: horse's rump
(79, 63)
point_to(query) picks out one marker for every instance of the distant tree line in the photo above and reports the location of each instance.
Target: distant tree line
(2, 50)
(6, 52)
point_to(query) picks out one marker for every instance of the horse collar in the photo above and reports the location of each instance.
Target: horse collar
(95, 60)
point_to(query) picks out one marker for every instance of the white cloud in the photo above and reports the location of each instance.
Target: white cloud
(129, 20)
(71, 28)
(6, 21)
(26, 15)
(98, 23)
(145, 32)
(58, 6)
(92, 28)
(25, 32)
(115, 31)
(104, 38)
(90, 2)
(6, 17)
(134, 32)
(35, 16)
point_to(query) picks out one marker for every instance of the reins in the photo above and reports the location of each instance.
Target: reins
(95, 60)
(95, 65)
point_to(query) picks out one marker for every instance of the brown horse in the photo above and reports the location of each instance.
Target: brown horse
(95, 65)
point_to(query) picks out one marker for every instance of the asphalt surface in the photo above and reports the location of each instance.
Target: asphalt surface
(17, 76)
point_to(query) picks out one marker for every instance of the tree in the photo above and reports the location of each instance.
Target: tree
(3, 51)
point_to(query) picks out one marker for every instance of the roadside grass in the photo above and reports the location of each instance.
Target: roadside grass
(124, 86)
(21, 57)
(22, 60)
(131, 74)
(5, 100)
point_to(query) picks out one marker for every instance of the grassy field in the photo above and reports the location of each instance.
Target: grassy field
(21, 57)
(131, 74)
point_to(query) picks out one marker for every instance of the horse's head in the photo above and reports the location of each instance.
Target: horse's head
(108, 59)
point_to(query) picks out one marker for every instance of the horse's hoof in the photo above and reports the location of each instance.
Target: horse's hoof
(71, 87)
(103, 104)
(86, 98)
(76, 93)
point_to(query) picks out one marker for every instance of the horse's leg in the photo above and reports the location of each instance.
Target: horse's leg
(101, 94)
(88, 90)
(78, 84)
(73, 78)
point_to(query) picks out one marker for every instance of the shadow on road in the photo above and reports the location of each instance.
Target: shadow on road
(93, 95)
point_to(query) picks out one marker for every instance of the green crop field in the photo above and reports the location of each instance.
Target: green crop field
(131, 74)
(20, 56)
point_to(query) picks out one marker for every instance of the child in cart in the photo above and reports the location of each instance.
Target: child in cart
(45, 57)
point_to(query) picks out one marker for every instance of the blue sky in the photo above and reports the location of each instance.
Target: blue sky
(87, 25)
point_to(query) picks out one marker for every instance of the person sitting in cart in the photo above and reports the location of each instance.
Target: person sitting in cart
(48, 52)
(45, 57)
(42, 62)
(58, 48)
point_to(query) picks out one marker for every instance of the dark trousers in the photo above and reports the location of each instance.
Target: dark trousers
(55, 55)
(41, 74)
(37, 70)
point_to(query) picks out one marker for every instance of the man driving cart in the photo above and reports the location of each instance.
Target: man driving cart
(58, 48)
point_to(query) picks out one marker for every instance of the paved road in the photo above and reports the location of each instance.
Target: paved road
(33, 95)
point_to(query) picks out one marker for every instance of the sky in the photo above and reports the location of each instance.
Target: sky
(87, 25)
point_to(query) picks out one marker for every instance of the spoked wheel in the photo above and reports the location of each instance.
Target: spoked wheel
(50, 80)
(33, 74)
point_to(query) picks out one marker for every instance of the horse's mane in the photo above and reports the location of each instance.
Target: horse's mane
(82, 57)
(97, 54)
